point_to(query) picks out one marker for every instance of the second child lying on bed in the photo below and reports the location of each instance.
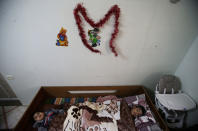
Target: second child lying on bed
(43, 119)
(143, 119)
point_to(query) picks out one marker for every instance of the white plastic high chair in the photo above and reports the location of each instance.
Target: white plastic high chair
(172, 102)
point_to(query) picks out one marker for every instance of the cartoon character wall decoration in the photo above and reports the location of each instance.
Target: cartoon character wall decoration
(93, 34)
(62, 38)
(94, 38)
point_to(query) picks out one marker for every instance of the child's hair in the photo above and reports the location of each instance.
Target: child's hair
(142, 108)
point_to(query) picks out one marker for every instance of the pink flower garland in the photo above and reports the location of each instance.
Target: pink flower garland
(115, 10)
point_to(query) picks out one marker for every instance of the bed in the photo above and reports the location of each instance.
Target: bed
(51, 92)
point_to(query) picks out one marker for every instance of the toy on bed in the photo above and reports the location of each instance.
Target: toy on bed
(43, 119)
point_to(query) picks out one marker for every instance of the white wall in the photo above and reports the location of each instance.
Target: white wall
(154, 37)
(188, 73)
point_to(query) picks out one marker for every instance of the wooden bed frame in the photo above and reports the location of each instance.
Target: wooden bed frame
(44, 93)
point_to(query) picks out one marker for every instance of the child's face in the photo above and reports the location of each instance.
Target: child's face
(135, 111)
(38, 116)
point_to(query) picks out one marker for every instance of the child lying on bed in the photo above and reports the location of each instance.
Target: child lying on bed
(43, 119)
(143, 118)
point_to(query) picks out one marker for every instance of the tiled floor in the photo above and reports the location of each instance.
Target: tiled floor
(13, 114)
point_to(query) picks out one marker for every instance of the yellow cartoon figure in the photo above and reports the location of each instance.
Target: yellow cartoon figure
(62, 38)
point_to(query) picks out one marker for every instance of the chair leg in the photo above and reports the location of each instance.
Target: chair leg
(185, 120)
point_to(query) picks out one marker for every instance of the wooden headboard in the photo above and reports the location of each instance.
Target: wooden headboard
(83, 91)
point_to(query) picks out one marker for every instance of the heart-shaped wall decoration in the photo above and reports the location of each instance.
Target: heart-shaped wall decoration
(115, 10)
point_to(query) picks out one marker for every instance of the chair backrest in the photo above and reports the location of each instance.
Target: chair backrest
(169, 83)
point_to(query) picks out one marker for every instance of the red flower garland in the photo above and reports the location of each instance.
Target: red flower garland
(115, 10)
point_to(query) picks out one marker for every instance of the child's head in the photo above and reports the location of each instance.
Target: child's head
(38, 116)
(137, 110)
